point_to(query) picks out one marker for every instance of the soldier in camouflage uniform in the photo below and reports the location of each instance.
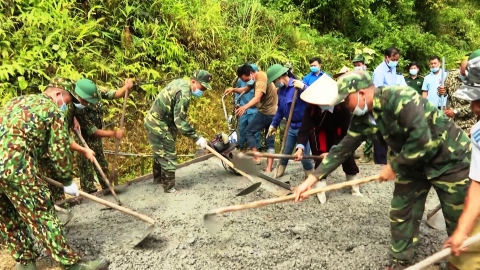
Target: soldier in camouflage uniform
(459, 109)
(167, 116)
(90, 119)
(46, 166)
(32, 127)
(433, 151)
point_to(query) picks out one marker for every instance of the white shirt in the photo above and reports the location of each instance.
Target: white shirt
(475, 160)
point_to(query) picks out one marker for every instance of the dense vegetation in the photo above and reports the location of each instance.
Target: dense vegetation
(163, 39)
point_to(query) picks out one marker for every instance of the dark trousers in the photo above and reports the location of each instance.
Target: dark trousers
(379, 153)
(259, 122)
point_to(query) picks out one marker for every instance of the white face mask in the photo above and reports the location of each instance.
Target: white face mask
(359, 112)
(79, 105)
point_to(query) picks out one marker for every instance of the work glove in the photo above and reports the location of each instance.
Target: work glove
(202, 142)
(71, 190)
(271, 131)
(298, 84)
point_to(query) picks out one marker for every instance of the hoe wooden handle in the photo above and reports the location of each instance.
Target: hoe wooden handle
(280, 156)
(104, 202)
(261, 203)
(228, 162)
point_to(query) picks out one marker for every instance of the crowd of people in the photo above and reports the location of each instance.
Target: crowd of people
(426, 122)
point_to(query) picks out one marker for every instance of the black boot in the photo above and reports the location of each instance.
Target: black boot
(169, 182)
(157, 173)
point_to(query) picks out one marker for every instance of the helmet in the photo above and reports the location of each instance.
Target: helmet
(221, 142)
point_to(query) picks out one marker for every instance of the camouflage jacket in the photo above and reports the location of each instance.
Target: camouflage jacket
(171, 108)
(33, 125)
(423, 136)
(90, 118)
(464, 117)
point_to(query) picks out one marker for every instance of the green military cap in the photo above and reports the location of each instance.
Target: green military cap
(204, 78)
(473, 68)
(351, 82)
(468, 92)
(274, 72)
(359, 58)
(64, 84)
(87, 90)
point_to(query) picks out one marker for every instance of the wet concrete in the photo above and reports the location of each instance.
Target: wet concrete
(347, 232)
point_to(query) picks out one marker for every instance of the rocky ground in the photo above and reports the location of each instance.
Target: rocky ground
(345, 233)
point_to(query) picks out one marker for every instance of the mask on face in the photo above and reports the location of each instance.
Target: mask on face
(359, 68)
(197, 93)
(392, 64)
(325, 107)
(357, 111)
(64, 106)
(314, 69)
(413, 72)
(435, 69)
(251, 83)
(79, 106)
(279, 85)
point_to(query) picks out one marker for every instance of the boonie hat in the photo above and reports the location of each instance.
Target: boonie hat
(64, 84)
(204, 78)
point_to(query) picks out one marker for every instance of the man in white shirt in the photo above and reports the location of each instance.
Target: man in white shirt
(432, 81)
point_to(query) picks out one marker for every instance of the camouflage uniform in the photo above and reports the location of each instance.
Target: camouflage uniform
(464, 116)
(166, 117)
(32, 128)
(433, 151)
(90, 119)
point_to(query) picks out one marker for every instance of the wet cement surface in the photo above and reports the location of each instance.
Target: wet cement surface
(347, 232)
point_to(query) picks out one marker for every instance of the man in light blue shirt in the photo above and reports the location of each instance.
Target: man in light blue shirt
(315, 71)
(250, 113)
(386, 75)
(432, 81)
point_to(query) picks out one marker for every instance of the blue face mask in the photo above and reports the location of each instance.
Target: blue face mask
(314, 69)
(435, 69)
(64, 106)
(392, 64)
(413, 72)
(279, 85)
(251, 83)
(197, 93)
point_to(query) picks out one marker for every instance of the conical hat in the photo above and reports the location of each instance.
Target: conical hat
(323, 91)
(342, 71)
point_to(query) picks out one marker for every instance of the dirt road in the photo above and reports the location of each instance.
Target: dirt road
(346, 233)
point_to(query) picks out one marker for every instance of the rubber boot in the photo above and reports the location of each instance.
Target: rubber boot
(280, 171)
(169, 182)
(322, 197)
(92, 265)
(157, 173)
(28, 266)
(356, 188)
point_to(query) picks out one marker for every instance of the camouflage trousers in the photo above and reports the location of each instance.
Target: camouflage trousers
(162, 140)
(367, 148)
(87, 171)
(408, 205)
(27, 211)
(46, 169)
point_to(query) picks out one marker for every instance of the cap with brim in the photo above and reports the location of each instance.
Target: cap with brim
(274, 72)
(87, 90)
(359, 58)
(323, 91)
(467, 92)
(342, 71)
(255, 67)
(204, 78)
(64, 84)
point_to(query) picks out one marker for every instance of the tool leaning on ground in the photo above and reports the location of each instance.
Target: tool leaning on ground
(287, 128)
(136, 239)
(435, 218)
(213, 226)
(443, 254)
(99, 168)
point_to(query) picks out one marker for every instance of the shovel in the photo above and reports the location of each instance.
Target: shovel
(136, 237)
(280, 156)
(64, 211)
(114, 175)
(246, 164)
(435, 219)
(99, 168)
(444, 253)
(226, 161)
(213, 226)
